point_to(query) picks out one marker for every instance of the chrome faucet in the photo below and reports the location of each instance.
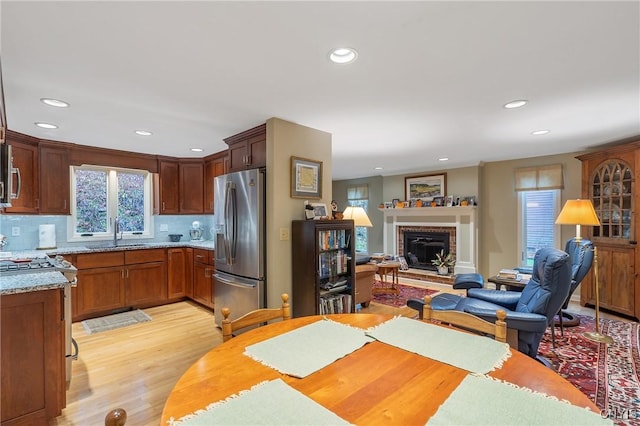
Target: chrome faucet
(116, 229)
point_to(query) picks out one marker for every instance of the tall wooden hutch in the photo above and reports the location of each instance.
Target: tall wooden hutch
(609, 180)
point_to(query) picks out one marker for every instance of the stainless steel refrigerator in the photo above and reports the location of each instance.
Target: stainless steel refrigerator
(239, 225)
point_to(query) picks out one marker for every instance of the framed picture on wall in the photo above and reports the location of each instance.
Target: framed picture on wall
(425, 188)
(306, 178)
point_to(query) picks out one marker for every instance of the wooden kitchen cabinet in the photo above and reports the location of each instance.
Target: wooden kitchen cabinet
(55, 191)
(609, 180)
(180, 273)
(203, 268)
(113, 281)
(169, 187)
(145, 277)
(181, 186)
(191, 186)
(248, 150)
(33, 358)
(25, 159)
(214, 166)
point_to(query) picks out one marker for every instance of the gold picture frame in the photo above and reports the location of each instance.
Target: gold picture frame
(306, 178)
(425, 187)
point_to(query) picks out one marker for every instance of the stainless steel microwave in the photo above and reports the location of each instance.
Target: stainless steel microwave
(7, 171)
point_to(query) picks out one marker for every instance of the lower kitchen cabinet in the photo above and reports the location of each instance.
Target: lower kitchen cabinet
(32, 361)
(180, 273)
(113, 281)
(203, 268)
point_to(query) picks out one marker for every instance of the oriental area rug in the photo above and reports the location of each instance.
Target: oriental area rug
(608, 374)
(406, 292)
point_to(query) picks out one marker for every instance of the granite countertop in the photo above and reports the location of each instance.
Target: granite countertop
(27, 282)
(105, 247)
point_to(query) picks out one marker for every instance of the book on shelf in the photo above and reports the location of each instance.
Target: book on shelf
(335, 304)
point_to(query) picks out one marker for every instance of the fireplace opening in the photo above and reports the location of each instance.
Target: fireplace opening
(420, 248)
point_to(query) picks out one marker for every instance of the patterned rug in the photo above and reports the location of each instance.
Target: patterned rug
(608, 374)
(406, 292)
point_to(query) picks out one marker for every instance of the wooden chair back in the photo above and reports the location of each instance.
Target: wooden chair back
(117, 417)
(467, 321)
(256, 317)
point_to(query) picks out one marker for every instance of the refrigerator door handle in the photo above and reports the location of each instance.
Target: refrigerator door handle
(235, 283)
(230, 216)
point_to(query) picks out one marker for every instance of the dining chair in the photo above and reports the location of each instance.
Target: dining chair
(116, 417)
(256, 317)
(467, 321)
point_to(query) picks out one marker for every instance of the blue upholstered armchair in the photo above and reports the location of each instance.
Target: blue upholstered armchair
(528, 312)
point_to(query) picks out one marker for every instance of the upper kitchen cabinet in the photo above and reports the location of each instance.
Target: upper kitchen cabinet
(215, 165)
(26, 180)
(191, 186)
(55, 192)
(248, 150)
(181, 186)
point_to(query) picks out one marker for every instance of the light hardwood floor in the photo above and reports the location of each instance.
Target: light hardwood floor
(136, 367)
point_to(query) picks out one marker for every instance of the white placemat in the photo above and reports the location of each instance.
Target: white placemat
(474, 353)
(481, 400)
(268, 403)
(307, 349)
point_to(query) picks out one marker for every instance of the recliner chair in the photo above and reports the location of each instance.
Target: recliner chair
(528, 312)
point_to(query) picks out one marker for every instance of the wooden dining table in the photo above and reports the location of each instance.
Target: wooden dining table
(375, 384)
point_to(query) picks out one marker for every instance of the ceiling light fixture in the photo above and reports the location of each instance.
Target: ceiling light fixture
(197, 149)
(143, 133)
(516, 104)
(343, 55)
(540, 132)
(443, 159)
(54, 102)
(45, 125)
(377, 168)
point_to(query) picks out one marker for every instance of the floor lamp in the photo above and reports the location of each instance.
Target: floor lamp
(581, 212)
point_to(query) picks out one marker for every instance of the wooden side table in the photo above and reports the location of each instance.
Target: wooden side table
(385, 268)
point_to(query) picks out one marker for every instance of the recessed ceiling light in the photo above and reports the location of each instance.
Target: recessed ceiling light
(46, 125)
(143, 133)
(343, 55)
(377, 168)
(443, 159)
(540, 132)
(197, 149)
(54, 102)
(516, 104)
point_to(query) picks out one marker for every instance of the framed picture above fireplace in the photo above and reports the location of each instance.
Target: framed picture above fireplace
(426, 187)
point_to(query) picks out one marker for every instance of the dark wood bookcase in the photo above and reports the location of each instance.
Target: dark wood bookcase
(323, 271)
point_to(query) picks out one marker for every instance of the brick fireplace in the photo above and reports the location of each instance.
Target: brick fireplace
(457, 223)
(419, 244)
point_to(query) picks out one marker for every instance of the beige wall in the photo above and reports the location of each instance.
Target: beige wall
(285, 139)
(493, 184)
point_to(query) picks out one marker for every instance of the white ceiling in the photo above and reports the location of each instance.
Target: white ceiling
(430, 80)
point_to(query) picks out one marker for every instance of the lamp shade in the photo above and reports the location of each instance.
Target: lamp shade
(358, 215)
(578, 212)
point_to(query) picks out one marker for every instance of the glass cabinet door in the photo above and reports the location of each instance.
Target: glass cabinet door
(611, 193)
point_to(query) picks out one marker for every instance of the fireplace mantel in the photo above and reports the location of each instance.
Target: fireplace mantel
(463, 218)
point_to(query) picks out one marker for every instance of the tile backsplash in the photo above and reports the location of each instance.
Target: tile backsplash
(28, 228)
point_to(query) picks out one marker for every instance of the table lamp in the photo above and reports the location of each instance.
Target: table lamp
(358, 215)
(581, 212)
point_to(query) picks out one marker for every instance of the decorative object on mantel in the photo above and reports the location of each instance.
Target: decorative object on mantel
(306, 178)
(444, 262)
(425, 188)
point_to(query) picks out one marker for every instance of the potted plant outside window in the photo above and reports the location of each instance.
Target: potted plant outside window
(444, 262)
